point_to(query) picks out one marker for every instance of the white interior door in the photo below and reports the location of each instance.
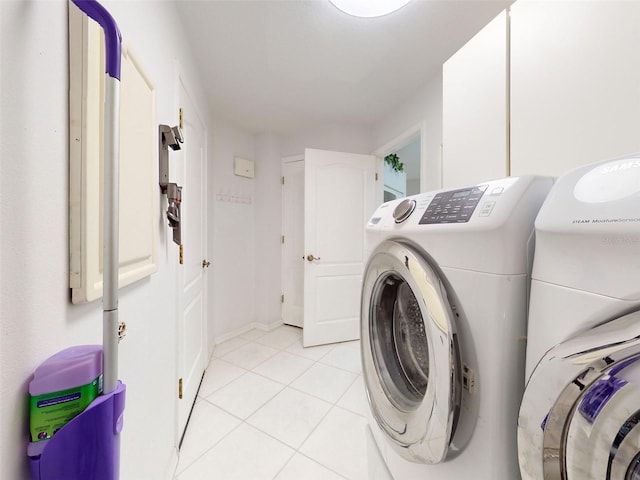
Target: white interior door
(339, 198)
(293, 241)
(191, 278)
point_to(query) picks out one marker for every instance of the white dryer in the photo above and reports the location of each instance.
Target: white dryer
(581, 408)
(443, 323)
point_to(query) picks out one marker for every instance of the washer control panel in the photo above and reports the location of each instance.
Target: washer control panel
(454, 206)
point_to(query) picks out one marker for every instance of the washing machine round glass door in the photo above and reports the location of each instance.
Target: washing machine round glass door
(411, 362)
(580, 414)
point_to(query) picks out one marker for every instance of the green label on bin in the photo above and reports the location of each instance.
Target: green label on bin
(51, 411)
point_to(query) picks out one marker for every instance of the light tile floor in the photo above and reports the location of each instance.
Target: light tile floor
(269, 409)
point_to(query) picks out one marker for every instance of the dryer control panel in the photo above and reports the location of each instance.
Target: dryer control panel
(454, 206)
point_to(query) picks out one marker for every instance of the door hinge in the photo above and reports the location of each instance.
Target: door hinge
(181, 117)
(282, 298)
(180, 389)
(181, 255)
(282, 238)
(283, 180)
(376, 176)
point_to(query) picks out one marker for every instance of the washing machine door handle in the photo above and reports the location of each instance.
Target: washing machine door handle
(584, 394)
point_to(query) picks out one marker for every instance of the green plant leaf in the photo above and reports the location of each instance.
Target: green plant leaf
(395, 163)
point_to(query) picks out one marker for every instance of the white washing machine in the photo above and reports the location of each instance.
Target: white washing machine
(444, 305)
(581, 408)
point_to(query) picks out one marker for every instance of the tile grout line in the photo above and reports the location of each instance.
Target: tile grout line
(208, 449)
(314, 362)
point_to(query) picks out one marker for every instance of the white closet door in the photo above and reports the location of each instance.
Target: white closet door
(475, 115)
(575, 77)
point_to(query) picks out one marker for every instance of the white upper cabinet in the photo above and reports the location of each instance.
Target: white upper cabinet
(575, 84)
(475, 108)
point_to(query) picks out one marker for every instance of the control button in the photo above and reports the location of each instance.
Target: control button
(497, 191)
(403, 210)
(486, 209)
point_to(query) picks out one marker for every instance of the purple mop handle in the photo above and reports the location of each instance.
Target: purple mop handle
(113, 38)
(113, 47)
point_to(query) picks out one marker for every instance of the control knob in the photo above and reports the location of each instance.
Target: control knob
(403, 210)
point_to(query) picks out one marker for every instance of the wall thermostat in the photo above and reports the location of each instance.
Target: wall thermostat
(243, 167)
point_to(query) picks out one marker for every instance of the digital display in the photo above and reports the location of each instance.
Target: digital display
(461, 194)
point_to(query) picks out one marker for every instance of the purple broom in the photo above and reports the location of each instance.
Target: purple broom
(88, 447)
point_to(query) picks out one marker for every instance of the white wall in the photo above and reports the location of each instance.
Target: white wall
(337, 137)
(410, 156)
(36, 316)
(231, 232)
(426, 106)
(268, 229)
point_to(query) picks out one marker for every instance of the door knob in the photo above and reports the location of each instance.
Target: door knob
(311, 258)
(205, 264)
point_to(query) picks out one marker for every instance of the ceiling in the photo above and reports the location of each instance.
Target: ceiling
(281, 66)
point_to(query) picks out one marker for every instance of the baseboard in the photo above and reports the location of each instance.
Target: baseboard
(265, 327)
(172, 467)
(270, 325)
(233, 333)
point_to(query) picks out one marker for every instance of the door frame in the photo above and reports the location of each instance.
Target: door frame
(285, 220)
(418, 130)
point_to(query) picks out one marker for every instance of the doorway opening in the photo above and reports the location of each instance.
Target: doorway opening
(409, 150)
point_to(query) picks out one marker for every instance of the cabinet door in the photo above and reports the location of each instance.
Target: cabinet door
(138, 228)
(475, 93)
(575, 84)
